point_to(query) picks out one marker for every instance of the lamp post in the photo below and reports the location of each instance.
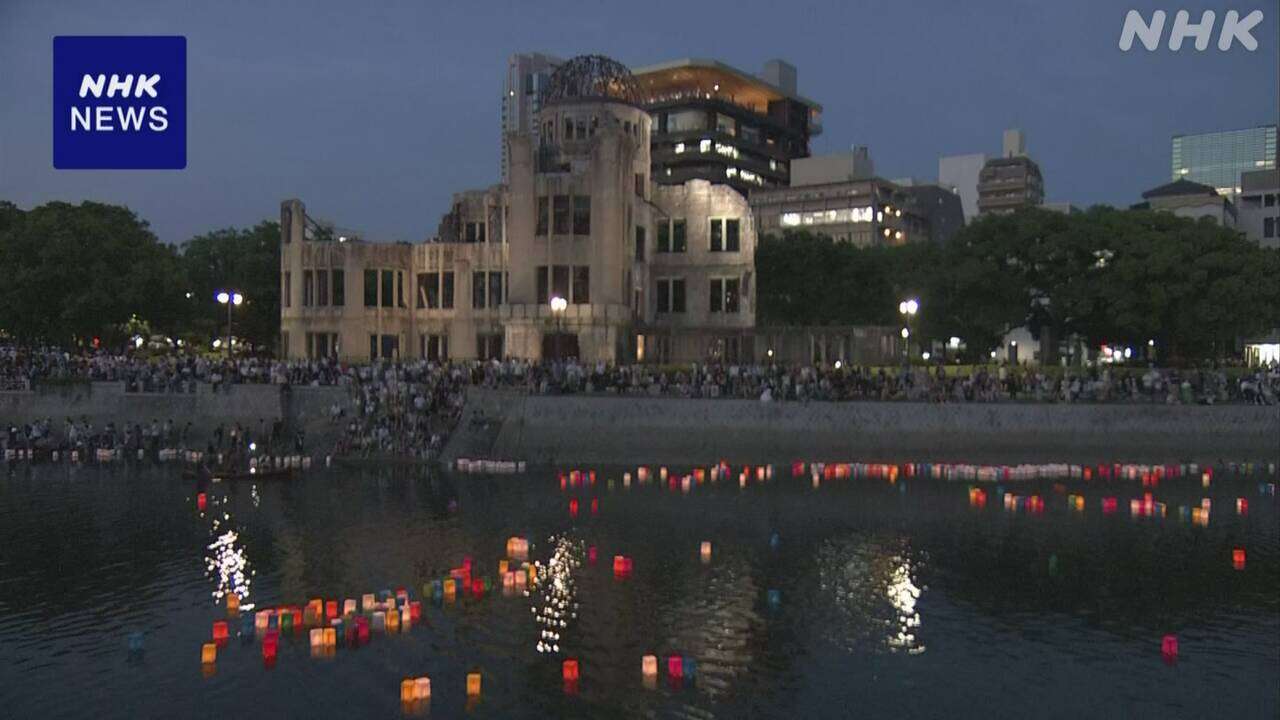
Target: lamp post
(230, 299)
(558, 306)
(908, 310)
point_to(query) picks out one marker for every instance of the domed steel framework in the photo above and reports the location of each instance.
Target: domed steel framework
(589, 77)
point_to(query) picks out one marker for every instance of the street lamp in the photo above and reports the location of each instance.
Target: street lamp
(908, 310)
(230, 299)
(558, 306)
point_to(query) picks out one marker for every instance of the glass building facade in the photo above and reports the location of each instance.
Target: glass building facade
(1217, 159)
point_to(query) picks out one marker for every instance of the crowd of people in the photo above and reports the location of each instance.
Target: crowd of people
(410, 408)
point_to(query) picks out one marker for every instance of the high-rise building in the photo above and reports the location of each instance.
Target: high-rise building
(527, 76)
(1218, 158)
(961, 172)
(717, 123)
(1259, 208)
(1012, 180)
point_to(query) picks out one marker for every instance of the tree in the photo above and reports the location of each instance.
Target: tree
(244, 260)
(76, 272)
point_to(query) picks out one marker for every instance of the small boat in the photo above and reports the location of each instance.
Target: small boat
(252, 474)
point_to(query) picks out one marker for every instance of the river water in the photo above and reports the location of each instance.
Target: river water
(849, 597)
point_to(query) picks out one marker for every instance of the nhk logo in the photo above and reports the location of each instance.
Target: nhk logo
(119, 102)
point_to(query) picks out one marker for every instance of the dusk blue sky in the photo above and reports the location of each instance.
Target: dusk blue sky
(374, 113)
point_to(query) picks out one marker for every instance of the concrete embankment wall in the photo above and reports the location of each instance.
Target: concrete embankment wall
(625, 430)
(103, 402)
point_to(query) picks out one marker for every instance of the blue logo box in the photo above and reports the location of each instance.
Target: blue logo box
(119, 102)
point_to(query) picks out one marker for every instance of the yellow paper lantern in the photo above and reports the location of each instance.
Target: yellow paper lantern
(208, 653)
(348, 607)
(317, 638)
(473, 684)
(233, 603)
(502, 567)
(422, 688)
(649, 665)
(331, 637)
(367, 601)
(705, 551)
(407, 690)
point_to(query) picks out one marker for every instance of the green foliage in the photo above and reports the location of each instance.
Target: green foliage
(247, 261)
(73, 272)
(1109, 276)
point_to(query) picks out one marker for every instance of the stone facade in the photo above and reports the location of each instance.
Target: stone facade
(647, 271)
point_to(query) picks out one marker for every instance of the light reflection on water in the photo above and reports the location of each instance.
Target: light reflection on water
(888, 598)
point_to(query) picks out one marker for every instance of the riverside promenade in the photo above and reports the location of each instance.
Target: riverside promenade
(602, 429)
(513, 425)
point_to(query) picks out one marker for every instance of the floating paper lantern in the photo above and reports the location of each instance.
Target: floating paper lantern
(502, 568)
(201, 502)
(1242, 506)
(1169, 647)
(208, 653)
(391, 618)
(619, 564)
(348, 607)
(662, 473)
(367, 601)
(422, 688)
(569, 670)
(262, 620)
(675, 666)
(508, 580)
(477, 588)
(1109, 505)
(379, 621)
(649, 665)
(317, 638)
(330, 609)
(1205, 479)
(331, 636)
(705, 551)
(415, 611)
(1237, 558)
(473, 684)
(220, 631)
(407, 690)
(233, 603)
(362, 630)
(450, 588)
(592, 554)
(595, 506)
(573, 507)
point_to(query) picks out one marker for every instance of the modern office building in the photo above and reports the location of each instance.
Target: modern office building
(526, 78)
(961, 172)
(1217, 159)
(1258, 212)
(1011, 181)
(1190, 200)
(581, 254)
(717, 123)
(867, 213)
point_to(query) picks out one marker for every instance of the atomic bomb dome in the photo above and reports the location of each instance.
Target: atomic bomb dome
(592, 77)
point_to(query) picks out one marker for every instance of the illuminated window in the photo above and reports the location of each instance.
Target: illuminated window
(679, 148)
(704, 146)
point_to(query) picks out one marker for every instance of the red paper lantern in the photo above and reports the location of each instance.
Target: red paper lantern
(675, 666)
(570, 668)
(477, 588)
(415, 611)
(1237, 558)
(592, 555)
(220, 631)
(1169, 647)
(1108, 505)
(331, 609)
(573, 507)
(201, 502)
(595, 506)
